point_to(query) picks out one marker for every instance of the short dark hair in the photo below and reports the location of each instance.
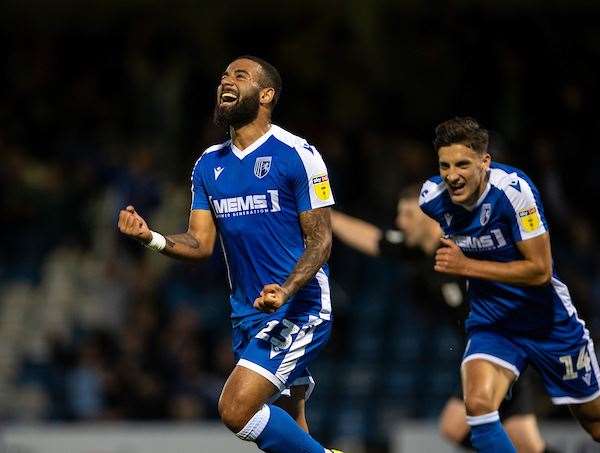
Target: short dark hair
(270, 76)
(464, 131)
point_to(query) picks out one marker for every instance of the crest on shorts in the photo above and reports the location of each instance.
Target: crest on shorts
(262, 166)
(485, 214)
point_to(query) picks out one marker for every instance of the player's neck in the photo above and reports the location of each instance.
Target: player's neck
(245, 135)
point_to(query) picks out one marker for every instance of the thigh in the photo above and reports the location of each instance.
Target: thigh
(491, 363)
(245, 392)
(281, 349)
(485, 383)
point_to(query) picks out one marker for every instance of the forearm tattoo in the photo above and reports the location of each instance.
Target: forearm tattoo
(316, 226)
(184, 238)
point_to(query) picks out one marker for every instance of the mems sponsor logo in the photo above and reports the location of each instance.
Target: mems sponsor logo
(246, 205)
(492, 241)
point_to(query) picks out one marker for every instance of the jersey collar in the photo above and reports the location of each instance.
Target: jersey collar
(257, 143)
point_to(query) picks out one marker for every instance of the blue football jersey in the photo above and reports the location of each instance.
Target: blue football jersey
(256, 196)
(510, 210)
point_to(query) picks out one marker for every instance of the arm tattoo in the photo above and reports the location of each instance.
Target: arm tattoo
(316, 226)
(183, 238)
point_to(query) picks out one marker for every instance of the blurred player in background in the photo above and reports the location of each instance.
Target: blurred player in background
(521, 313)
(415, 242)
(265, 193)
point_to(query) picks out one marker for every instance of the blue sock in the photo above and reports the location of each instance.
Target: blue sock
(488, 435)
(274, 431)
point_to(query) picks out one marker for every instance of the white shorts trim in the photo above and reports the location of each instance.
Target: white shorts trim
(263, 372)
(490, 358)
(301, 381)
(568, 400)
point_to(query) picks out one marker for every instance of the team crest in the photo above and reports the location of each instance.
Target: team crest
(485, 214)
(321, 186)
(262, 166)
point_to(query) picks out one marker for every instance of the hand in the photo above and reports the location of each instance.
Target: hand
(449, 259)
(132, 225)
(271, 298)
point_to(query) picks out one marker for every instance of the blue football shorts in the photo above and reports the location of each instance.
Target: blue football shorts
(567, 364)
(280, 349)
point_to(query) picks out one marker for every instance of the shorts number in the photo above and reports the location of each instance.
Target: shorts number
(285, 335)
(583, 363)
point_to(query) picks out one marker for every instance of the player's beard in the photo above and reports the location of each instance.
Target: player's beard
(241, 113)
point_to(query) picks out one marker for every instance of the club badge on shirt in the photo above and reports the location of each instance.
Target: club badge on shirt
(485, 214)
(262, 166)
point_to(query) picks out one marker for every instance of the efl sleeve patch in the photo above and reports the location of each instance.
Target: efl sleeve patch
(529, 219)
(321, 187)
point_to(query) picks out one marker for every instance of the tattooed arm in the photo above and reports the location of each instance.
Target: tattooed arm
(316, 226)
(195, 244)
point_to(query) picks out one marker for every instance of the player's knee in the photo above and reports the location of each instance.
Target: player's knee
(234, 412)
(479, 404)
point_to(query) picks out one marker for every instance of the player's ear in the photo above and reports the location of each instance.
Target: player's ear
(486, 161)
(266, 95)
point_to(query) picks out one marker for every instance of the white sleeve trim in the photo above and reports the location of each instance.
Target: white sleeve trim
(319, 187)
(526, 210)
(430, 190)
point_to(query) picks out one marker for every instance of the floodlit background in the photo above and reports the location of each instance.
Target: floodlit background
(108, 103)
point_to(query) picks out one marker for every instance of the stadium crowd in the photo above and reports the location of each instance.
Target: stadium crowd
(93, 327)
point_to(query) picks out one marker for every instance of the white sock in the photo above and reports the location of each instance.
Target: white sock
(255, 425)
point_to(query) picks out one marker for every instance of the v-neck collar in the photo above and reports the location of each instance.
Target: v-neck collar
(240, 154)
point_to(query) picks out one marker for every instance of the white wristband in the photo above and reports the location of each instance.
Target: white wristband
(158, 242)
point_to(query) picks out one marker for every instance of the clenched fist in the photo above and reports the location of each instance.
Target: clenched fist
(271, 298)
(449, 259)
(132, 225)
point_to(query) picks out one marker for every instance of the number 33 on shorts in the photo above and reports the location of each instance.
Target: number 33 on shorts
(281, 349)
(280, 338)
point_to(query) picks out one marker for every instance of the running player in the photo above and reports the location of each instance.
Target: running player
(415, 242)
(265, 193)
(521, 314)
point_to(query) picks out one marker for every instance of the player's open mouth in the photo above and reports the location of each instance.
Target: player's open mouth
(457, 189)
(228, 98)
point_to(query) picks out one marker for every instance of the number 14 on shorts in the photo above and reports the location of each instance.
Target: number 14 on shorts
(583, 363)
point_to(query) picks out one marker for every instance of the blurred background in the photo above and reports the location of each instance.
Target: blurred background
(108, 103)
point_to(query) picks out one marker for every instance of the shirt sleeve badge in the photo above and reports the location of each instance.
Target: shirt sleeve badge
(529, 219)
(321, 187)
